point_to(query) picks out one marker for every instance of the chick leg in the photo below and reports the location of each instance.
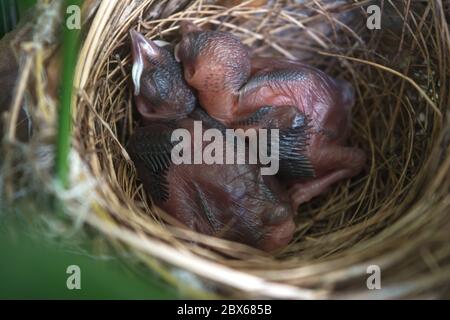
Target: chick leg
(341, 162)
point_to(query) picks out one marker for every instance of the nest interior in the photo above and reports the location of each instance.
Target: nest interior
(395, 214)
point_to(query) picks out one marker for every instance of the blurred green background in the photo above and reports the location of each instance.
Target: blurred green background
(32, 267)
(10, 12)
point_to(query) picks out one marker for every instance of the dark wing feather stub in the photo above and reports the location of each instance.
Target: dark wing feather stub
(159, 187)
(150, 149)
(294, 162)
(294, 135)
(207, 210)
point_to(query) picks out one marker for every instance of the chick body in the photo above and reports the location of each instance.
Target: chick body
(232, 201)
(253, 84)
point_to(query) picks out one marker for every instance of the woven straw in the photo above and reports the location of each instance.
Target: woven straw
(395, 214)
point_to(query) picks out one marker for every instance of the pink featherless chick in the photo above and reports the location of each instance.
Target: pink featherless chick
(230, 201)
(239, 90)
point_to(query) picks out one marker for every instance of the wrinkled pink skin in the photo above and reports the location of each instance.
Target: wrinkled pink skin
(216, 64)
(241, 208)
(238, 207)
(232, 91)
(327, 102)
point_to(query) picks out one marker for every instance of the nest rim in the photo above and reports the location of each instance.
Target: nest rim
(382, 217)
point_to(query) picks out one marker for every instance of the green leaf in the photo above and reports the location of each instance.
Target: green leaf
(24, 5)
(35, 268)
(70, 55)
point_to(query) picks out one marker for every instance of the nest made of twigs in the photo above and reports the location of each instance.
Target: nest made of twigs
(396, 214)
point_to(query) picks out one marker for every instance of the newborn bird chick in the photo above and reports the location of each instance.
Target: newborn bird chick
(159, 87)
(216, 64)
(229, 201)
(253, 87)
(326, 102)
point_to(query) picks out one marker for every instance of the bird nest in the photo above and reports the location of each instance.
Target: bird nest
(395, 215)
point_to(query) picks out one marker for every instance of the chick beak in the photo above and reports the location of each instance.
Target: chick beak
(183, 50)
(142, 50)
(176, 53)
(142, 46)
(187, 27)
